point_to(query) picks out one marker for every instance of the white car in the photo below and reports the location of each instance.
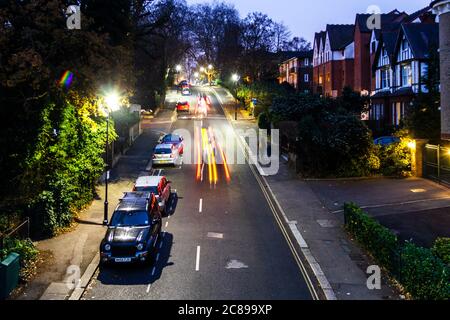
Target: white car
(166, 154)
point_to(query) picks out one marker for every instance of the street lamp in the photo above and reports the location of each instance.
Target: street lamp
(178, 69)
(235, 78)
(112, 101)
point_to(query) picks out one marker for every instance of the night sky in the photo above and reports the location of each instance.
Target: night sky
(306, 17)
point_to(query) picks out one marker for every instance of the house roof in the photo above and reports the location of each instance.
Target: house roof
(421, 37)
(393, 17)
(418, 14)
(388, 40)
(320, 36)
(340, 35)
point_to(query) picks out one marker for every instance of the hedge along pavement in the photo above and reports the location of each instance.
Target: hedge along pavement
(418, 270)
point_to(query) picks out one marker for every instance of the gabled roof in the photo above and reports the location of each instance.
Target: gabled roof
(388, 40)
(418, 14)
(393, 17)
(421, 37)
(319, 37)
(340, 35)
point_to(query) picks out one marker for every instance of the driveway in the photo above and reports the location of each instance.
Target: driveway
(415, 209)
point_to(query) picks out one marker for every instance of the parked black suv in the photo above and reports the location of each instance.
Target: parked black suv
(133, 231)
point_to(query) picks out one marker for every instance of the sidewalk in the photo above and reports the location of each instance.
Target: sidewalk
(342, 262)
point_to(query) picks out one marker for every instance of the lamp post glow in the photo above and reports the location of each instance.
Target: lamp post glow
(178, 68)
(112, 101)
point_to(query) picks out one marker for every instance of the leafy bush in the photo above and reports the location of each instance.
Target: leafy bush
(395, 158)
(64, 166)
(421, 272)
(26, 250)
(375, 238)
(441, 248)
(424, 275)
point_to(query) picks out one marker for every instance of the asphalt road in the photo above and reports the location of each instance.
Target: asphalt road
(221, 240)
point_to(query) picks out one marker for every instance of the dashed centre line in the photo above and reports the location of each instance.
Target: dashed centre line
(197, 259)
(200, 206)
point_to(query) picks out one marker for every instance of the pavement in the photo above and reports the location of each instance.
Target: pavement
(415, 209)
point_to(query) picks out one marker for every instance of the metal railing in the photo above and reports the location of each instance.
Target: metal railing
(21, 231)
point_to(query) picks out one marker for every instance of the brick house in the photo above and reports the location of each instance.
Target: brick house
(298, 71)
(364, 37)
(333, 60)
(400, 66)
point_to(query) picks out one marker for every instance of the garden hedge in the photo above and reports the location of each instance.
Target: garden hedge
(420, 271)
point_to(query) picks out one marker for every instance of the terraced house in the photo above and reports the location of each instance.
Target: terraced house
(400, 68)
(333, 60)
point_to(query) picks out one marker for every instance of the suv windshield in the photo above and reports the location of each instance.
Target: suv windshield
(153, 189)
(129, 219)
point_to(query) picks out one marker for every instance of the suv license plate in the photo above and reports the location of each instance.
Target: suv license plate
(122, 260)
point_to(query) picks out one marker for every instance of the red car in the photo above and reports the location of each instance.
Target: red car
(183, 106)
(159, 186)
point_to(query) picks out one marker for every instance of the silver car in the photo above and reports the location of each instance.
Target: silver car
(166, 154)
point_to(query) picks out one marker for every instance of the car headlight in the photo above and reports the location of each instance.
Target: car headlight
(140, 246)
(107, 247)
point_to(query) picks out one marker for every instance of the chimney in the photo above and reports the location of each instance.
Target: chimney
(428, 17)
(442, 9)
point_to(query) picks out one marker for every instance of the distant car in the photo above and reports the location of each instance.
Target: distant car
(159, 186)
(146, 113)
(166, 154)
(386, 141)
(183, 106)
(175, 140)
(186, 92)
(133, 231)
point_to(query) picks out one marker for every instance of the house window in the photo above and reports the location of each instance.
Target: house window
(405, 50)
(320, 79)
(406, 75)
(328, 77)
(306, 62)
(306, 78)
(385, 78)
(398, 111)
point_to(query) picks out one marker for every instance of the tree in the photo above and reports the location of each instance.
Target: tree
(424, 117)
(298, 44)
(281, 37)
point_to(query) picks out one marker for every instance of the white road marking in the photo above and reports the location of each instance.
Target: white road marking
(235, 264)
(167, 223)
(197, 260)
(157, 257)
(200, 206)
(161, 244)
(215, 235)
(153, 271)
(148, 288)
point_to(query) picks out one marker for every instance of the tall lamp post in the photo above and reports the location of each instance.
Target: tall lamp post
(235, 78)
(112, 101)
